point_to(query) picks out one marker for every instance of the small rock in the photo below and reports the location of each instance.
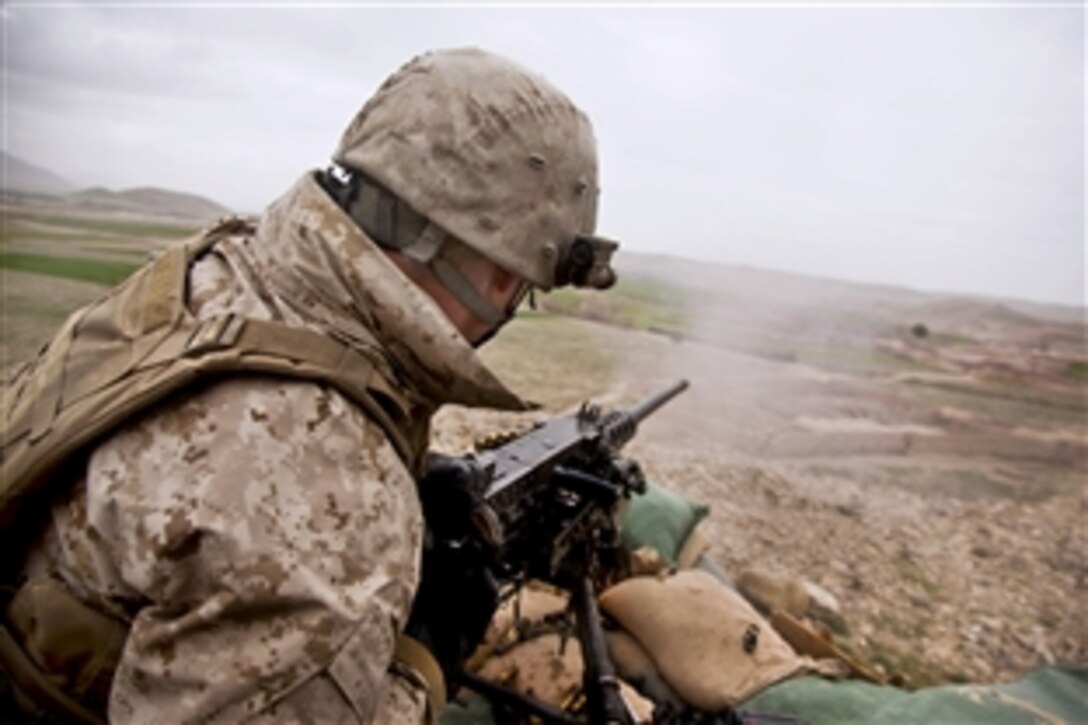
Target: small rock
(769, 592)
(646, 561)
(822, 604)
(840, 567)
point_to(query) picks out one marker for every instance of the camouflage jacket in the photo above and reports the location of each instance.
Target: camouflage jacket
(260, 538)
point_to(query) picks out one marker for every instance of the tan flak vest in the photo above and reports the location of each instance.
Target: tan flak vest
(117, 357)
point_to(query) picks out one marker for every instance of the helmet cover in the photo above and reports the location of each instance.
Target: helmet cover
(491, 153)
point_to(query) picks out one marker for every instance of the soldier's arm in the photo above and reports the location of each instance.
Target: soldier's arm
(273, 535)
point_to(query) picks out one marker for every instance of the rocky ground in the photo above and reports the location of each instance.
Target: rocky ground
(932, 589)
(954, 540)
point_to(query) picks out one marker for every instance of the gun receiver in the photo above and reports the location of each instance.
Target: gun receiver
(545, 485)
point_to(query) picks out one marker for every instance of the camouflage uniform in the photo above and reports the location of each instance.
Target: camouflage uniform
(260, 537)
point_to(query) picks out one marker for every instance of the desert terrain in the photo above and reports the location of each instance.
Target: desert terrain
(920, 456)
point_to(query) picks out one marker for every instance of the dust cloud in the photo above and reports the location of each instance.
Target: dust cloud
(935, 484)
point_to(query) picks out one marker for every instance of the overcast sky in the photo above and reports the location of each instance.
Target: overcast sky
(929, 147)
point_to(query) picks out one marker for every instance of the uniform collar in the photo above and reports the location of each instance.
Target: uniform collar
(325, 267)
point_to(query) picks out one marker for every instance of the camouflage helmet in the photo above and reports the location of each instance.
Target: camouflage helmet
(495, 156)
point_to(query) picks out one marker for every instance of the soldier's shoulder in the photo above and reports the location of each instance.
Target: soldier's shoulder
(232, 224)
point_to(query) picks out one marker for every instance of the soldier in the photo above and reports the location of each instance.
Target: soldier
(224, 450)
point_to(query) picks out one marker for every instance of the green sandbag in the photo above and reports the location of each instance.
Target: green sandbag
(468, 709)
(1049, 694)
(662, 520)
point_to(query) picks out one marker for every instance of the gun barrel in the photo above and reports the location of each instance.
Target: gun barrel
(648, 406)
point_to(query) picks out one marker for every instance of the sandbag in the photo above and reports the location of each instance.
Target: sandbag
(661, 519)
(633, 664)
(692, 550)
(707, 642)
(1048, 695)
(769, 592)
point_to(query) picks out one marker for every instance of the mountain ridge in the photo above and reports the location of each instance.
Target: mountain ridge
(45, 188)
(20, 175)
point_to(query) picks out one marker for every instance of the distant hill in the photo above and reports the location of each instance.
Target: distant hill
(763, 293)
(19, 175)
(27, 184)
(149, 201)
(785, 316)
(965, 314)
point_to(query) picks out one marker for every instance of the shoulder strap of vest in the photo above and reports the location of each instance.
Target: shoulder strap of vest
(32, 692)
(229, 343)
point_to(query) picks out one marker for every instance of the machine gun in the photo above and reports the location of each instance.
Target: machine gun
(544, 506)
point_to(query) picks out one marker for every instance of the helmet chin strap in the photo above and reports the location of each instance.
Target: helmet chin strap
(451, 278)
(394, 225)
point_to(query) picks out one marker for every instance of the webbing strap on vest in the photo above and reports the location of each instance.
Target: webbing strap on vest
(31, 688)
(408, 653)
(219, 346)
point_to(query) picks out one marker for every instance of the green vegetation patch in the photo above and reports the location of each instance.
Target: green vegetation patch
(87, 270)
(951, 339)
(636, 302)
(1078, 369)
(843, 358)
(115, 249)
(980, 392)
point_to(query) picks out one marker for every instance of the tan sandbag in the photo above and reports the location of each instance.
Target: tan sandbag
(633, 664)
(770, 592)
(707, 642)
(694, 546)
(631, 660)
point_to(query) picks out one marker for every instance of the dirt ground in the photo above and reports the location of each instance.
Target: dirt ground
(950, 523)
(31, 306)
